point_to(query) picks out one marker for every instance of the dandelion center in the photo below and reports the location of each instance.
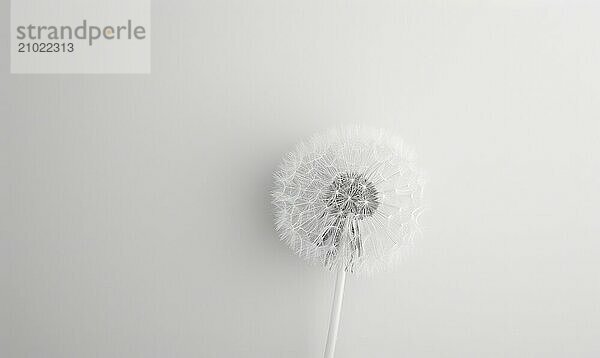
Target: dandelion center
(351, 193)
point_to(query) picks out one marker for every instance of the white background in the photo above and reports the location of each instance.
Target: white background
(135, 217)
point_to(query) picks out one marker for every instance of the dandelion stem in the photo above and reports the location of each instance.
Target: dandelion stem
(336, 310)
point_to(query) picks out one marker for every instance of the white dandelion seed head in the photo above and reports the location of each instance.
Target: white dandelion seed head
(349, 198)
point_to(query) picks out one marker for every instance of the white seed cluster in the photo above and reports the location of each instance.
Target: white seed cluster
(349, 198)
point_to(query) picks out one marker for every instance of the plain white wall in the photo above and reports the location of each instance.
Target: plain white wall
(135, 217)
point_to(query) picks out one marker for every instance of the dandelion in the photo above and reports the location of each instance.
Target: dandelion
(349, 198)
